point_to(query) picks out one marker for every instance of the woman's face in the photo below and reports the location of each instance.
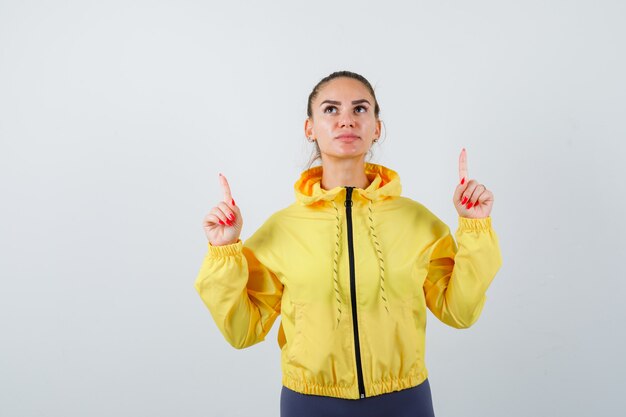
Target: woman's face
(343, 121)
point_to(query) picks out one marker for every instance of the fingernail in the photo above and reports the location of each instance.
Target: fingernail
(464, 200)
(232, 202)
(232, 216)
(462, 180)
(476, 204)
(469, 205)
(222, 223)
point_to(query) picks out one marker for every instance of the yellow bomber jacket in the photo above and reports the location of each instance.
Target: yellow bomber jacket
(351, 271)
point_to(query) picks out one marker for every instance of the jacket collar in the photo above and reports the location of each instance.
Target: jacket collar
(384, 182)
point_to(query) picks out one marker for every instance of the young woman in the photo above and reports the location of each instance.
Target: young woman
(351, 266)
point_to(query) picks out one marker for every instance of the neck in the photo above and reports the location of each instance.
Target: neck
(344, 173)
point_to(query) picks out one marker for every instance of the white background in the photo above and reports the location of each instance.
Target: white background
(116, 117)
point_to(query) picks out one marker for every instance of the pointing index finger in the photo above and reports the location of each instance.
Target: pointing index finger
(226, 188)
(463, 165)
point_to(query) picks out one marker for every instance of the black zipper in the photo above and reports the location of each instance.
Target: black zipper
(357, 346)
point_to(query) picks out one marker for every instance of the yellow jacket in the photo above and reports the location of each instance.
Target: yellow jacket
(351, 271)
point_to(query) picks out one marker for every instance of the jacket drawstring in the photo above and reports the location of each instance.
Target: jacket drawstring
(379, 254)
(336, 261)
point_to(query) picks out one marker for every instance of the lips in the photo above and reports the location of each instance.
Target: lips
(347, 137)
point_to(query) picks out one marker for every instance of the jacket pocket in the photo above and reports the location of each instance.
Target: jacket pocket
(393, 343)
(320, 352)
(414, 322)
(294, 350)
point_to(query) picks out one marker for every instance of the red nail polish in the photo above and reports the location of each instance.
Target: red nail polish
(222, 223)
(232, 216)
(464, 200)
(469, 205)
(463, 181)
(233, 201)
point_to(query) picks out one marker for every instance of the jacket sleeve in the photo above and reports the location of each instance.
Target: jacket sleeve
(458, 278)
(243, 295)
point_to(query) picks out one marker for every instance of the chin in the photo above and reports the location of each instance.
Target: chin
(347, 155)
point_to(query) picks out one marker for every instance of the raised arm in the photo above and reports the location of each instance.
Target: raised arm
(242, 294)
(458, 276)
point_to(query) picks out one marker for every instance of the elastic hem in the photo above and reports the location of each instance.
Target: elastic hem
(467, 224)
(225, 250)
(336, 391)
(396, 384)
(352, 392)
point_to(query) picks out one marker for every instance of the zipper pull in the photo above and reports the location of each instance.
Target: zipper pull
(348, 201)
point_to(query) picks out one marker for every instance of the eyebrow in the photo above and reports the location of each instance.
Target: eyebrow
(338, 102)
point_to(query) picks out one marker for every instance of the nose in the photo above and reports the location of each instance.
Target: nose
(347, 121)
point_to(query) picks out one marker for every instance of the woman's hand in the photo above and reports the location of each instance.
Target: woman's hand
(471, 199)
(223, 223)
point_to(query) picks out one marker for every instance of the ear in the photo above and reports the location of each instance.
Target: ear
(378, 128)
(308, 127)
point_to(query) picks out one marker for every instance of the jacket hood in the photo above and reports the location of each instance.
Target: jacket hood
(384, 182)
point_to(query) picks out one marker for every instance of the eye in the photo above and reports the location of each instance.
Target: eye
(360, 107)
(329, 107)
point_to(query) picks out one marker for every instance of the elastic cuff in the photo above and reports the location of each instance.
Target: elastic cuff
(467, 224)
(225, 250)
